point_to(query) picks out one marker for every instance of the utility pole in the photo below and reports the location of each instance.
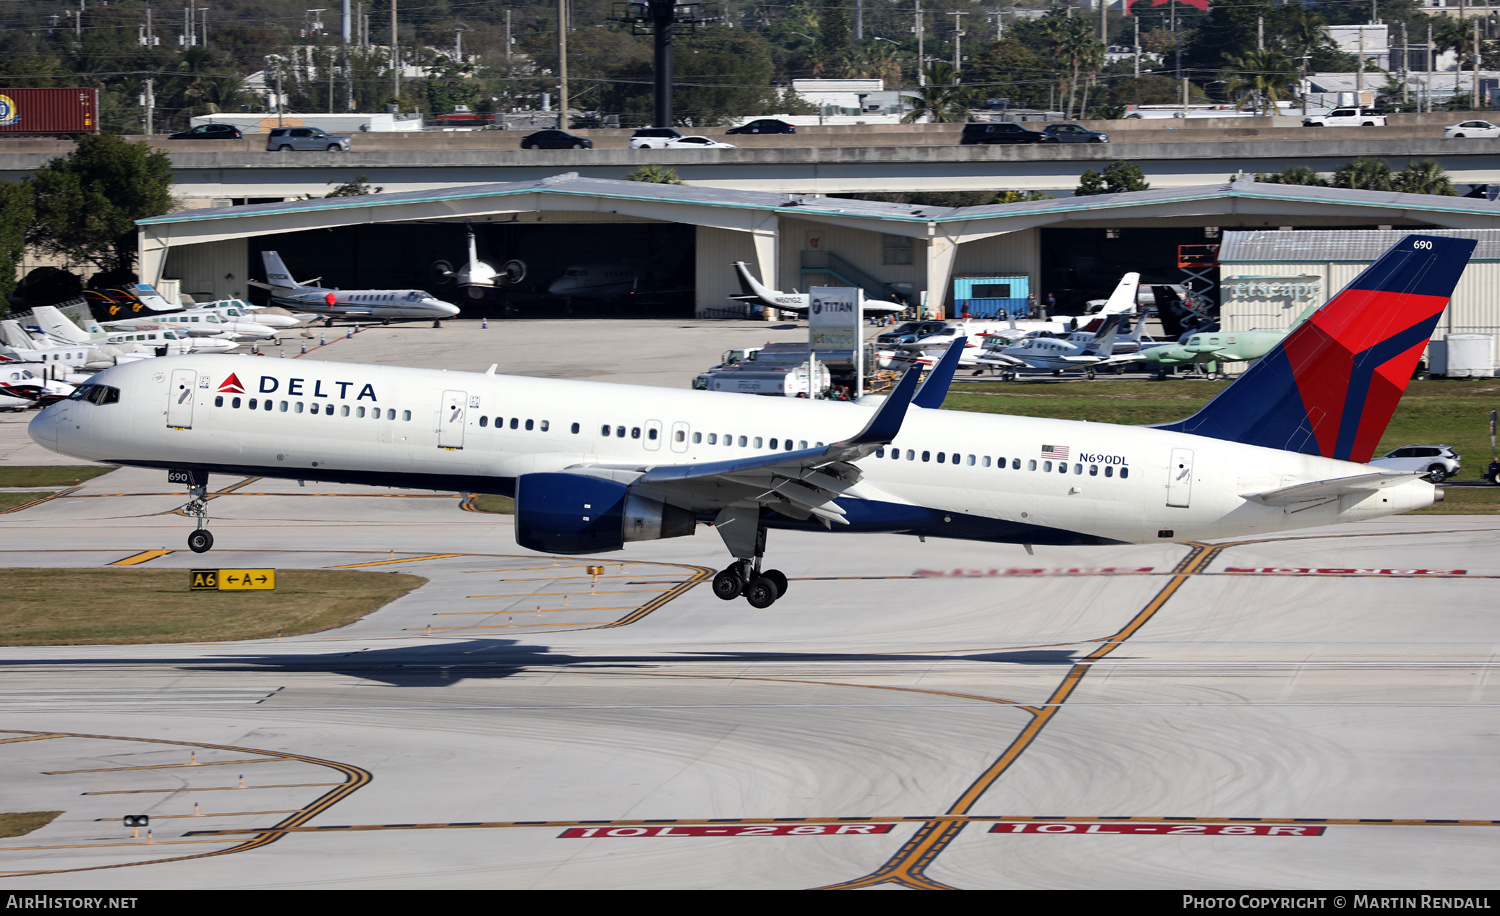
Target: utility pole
(958, 37)
(150, 104)
(1474, 99)
(562, 64)
(1429, 67)
(921, 60)
(395, 59)
(1137, 21)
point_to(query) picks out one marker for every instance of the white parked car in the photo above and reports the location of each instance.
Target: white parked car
(1439, 462)
(696, 143)
(1471, 129)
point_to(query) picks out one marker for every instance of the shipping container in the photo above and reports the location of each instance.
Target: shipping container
(49, 112)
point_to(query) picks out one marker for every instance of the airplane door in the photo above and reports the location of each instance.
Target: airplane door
(180, 400)
(1180, 478)
(679, 440)
(653, 435)
(451, 421)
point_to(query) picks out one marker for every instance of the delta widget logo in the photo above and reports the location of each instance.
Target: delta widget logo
(232, 385)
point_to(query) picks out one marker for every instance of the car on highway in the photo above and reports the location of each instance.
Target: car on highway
(283, 139)
(555, 139)
(209, 132)
(653, 137)
(763, 126)
(1471, 129)
(1001, 132)
(1436, 462)
(1074, 133)
(696, 143)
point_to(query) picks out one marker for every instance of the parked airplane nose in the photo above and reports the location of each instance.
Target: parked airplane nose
(447, 308)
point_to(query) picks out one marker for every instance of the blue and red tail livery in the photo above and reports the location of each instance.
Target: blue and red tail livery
(1331, 386)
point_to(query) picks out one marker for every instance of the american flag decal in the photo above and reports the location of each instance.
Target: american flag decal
(1055, 451)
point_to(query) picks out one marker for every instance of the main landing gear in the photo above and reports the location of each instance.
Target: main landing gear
(201, 540)
(745, 537)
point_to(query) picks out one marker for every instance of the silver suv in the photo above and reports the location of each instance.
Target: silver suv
(1437, 462)
(306, 138)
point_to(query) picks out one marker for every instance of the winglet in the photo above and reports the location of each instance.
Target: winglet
(935, 388)
(886, 423)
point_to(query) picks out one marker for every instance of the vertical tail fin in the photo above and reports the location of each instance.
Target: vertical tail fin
(1123, 298)
(1330, 387)
(276, 273)
(1104, 344)
(56, 325)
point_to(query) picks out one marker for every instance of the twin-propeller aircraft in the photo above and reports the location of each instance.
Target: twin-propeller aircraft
(594, 465)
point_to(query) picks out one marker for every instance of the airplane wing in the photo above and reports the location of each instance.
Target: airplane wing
(1331, 488)
(799, 484)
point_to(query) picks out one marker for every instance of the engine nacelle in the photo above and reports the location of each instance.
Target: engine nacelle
(575, 513)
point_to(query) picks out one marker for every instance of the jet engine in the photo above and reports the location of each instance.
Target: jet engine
(576, 513)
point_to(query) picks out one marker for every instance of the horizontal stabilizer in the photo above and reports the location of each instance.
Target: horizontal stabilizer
(1325, 489)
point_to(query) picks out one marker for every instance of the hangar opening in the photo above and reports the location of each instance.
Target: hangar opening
(592, 269)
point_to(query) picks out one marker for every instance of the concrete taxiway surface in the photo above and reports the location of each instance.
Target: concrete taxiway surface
(1317, 709)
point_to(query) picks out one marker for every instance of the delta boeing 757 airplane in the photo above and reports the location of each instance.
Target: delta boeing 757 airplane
(594, 465)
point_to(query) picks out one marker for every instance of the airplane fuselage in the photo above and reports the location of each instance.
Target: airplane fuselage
(377, 304)
(946, 474)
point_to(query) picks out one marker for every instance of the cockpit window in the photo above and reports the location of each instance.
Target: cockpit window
(96, 394)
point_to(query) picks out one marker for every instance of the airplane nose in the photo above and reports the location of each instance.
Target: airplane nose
(43, 426)
(447, 308)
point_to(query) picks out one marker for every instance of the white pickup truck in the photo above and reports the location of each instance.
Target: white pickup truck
(1345, 117)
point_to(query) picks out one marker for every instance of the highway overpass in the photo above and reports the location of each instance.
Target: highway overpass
(426, 162)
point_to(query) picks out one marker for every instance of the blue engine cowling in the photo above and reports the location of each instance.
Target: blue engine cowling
(575, 513)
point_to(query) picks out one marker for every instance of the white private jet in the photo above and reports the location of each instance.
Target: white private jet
(156, 341)
(753, 292)
(384, 305)
(1062, 354)
(594, 465)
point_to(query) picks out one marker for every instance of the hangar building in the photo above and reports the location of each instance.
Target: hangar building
(684, 240)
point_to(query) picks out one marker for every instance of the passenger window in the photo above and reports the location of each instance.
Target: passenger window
(880, 453)
(343, 410)
(1109, 470)
(604, 431)
(680, 436)
(910, 455)
(713, 438)
(528, 424)
(544, 425)
(651, 433)
(987, 461)
(757, 441)
(1093, 470)
(1015, 464)
(742, 441)
(219, 400)
(801, 443)
(405, 414)
(299, 407)
(514, 422)
(575, 429)
(926, 456)
(635, 432)
(1124, 473)
(773, 444)
(940, 457)
(620, 432)
(1030, 465)
(252, 403)
(697, 438)
(484, 422)
(1077, 469)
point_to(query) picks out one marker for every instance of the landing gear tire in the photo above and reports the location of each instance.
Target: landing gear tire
(201, 541)
(1091, 374)
(729, 584)
(777, 578)
(761, 593)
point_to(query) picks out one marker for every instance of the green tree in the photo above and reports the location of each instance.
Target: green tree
(654, 174)
(1365, 173)
(1117, 177)
(942, 100)
(1261, 79)
(1297, 174)
(15, 218)
(1424, 177)
(88, 201)
(359, 187)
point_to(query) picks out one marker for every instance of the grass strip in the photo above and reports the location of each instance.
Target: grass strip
(49, 476)
(69, 607)
(20, 823)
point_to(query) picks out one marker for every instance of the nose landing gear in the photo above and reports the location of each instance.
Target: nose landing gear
(201, 540)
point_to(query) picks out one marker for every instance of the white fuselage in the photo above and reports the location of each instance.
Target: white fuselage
(1062, 481)
(379, 304)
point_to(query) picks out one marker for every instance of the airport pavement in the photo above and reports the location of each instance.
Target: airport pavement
(1310, 710)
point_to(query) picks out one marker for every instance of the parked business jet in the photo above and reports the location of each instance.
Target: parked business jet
(753, 292)
(594, 465)
(384, 305)
(157, 340)
(1060, 355)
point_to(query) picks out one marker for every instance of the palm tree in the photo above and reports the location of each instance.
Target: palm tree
(1072, 40)
(942, 100)
(1265, 78)
(1304, 30)
(1425, 177)
(1365, 173)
